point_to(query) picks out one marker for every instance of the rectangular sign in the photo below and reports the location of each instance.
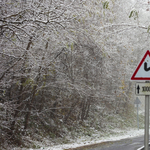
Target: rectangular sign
(142, 89)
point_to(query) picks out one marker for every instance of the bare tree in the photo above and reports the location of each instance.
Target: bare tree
(63, 62)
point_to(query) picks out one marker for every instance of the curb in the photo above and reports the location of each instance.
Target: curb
(142, 148)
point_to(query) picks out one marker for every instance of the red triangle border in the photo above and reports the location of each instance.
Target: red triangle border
(137, 69)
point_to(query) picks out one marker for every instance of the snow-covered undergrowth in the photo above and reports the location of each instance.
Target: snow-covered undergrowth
(97, 137)
(76, 135)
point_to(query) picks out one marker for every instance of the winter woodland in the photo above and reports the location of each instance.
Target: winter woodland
(66, 65)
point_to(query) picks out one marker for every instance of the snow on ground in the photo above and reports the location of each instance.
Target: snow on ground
(82, 141)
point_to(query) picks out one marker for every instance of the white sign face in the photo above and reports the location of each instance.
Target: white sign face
(142, 72)
(142, 89)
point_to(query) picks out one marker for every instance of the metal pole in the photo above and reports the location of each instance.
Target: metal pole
(146, 136)
(138, 116)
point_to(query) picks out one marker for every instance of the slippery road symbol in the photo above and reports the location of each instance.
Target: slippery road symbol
(145, 67)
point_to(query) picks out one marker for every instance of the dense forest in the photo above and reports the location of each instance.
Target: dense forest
(66, 65)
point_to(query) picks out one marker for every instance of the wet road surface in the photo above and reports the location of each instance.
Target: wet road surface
(124, 144)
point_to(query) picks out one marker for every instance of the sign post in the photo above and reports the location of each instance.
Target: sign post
(146, 137)
(142, 72)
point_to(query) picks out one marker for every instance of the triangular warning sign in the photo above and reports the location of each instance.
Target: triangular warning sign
(142, 72)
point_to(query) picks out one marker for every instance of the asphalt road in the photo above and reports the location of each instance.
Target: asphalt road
(125, 144)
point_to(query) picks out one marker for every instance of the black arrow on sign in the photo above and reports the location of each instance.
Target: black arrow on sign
(138, 89)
